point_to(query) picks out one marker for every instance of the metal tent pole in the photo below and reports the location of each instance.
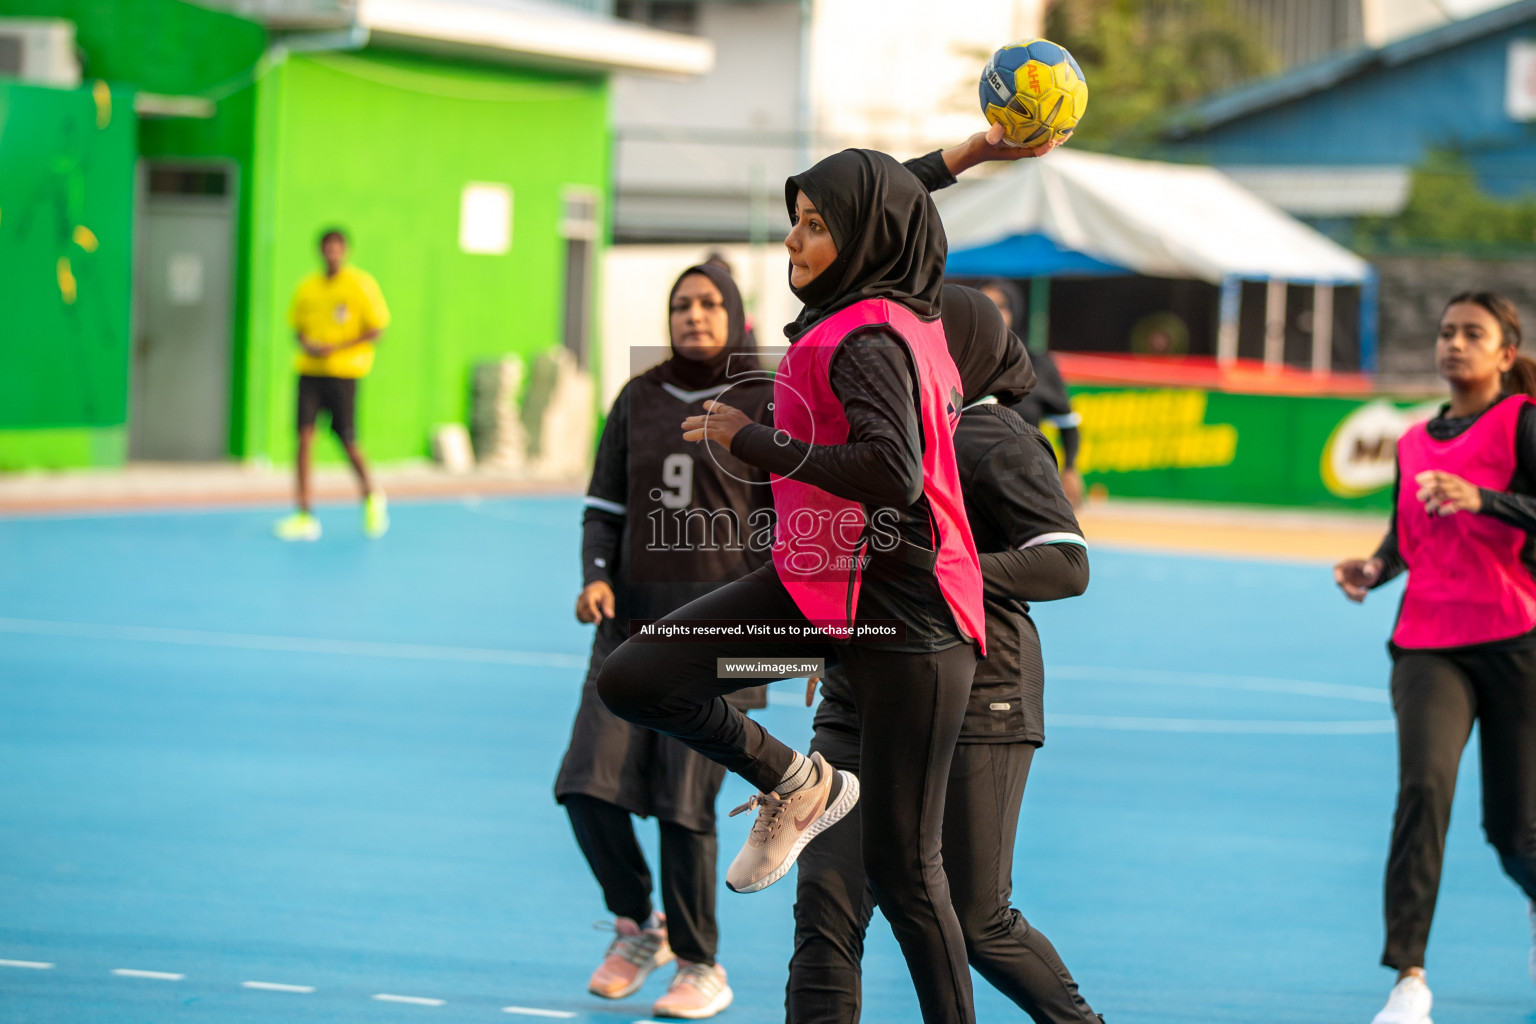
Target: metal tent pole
(1230, 310)
(1322, 328)
(1274, 325)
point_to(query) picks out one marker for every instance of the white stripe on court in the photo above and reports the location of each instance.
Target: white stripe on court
(1236, 727)
(31, 965)
(1254, 684)
(292, 644)
(385, 997)
(128, 972)
(528, 1011)
(275, 986)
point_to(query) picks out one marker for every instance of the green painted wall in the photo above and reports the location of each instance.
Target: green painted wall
(382, 144)
(161, 46)
(66, 251)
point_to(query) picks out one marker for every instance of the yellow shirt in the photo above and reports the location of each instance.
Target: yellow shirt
(333, 310)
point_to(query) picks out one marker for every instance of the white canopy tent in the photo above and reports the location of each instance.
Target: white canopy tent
(1086, 213)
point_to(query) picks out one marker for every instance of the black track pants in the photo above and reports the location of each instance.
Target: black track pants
(833, 905)
(606, 835)
(1437, 696)
(911, 707)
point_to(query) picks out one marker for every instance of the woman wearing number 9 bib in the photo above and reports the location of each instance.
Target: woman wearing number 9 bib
(646, 482)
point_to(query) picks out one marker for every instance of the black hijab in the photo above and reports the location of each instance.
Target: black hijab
(698, 374)
(991, 358)
(890, 242)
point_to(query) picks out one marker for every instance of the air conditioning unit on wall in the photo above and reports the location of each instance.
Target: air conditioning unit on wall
(40, 50)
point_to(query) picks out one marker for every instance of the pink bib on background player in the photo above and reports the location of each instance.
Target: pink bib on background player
(821, 544)
(1467, 583)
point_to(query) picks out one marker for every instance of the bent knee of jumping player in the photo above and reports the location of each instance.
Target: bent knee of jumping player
(628, 683)
(648, 684)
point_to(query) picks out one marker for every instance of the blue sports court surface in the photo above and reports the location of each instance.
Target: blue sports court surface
(248, 781)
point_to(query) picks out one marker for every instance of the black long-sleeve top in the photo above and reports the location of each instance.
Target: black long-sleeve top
(1032, 549)
(880, 466)
(1516, 506)
(602, 521)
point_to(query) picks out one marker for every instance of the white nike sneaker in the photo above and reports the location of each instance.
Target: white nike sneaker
(1408, 1003)
(786, 823)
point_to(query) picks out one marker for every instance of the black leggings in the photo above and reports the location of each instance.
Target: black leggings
(833, 906)
(910, 708)
(606, 834)
(1437, 695)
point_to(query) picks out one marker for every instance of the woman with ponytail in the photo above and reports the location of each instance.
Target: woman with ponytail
(1464, 647)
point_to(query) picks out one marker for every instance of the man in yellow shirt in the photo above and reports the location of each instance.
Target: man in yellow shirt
(337, 318)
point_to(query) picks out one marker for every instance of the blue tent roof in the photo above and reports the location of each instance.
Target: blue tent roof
(1027, 256)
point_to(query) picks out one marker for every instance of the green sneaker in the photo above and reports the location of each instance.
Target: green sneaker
(375, 515)
(299, 526)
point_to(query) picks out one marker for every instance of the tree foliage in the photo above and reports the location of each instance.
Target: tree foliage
(1144, 58)
(1447, 209)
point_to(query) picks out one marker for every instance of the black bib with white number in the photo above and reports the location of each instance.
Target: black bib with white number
(697, 516)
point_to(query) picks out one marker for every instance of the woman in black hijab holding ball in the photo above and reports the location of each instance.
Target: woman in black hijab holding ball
(865, 235)
(872, 536)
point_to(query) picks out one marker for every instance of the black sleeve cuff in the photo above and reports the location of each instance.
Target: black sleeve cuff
(931, 170)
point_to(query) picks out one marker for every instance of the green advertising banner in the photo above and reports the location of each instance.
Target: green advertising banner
(1189, 444)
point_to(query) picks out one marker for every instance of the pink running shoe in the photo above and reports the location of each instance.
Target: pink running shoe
(697, 991)
(632, 955)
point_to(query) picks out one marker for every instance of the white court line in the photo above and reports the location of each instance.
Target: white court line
(1243, 727)
(128, 972)
(1254, 684)
(276, 986)
(293, 644)
(31, 965)
(385, 997)
(528, 1011)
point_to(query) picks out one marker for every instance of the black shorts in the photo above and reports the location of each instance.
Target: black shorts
(337, 396)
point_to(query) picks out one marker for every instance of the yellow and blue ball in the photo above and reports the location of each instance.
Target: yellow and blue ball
(1035, 90)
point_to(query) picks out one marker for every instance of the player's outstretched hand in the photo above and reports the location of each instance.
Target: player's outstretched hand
(1356, 576)
(595, 602)
(719, 424)
(1445, 494)
(991, 145)
(810, 689)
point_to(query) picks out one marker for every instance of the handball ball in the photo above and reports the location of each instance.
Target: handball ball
(1035, 90)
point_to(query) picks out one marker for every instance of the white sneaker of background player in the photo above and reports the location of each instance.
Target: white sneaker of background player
(1408, 1003)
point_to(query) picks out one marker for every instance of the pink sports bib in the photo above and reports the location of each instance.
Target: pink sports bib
(820, 548)
(1466, 581)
